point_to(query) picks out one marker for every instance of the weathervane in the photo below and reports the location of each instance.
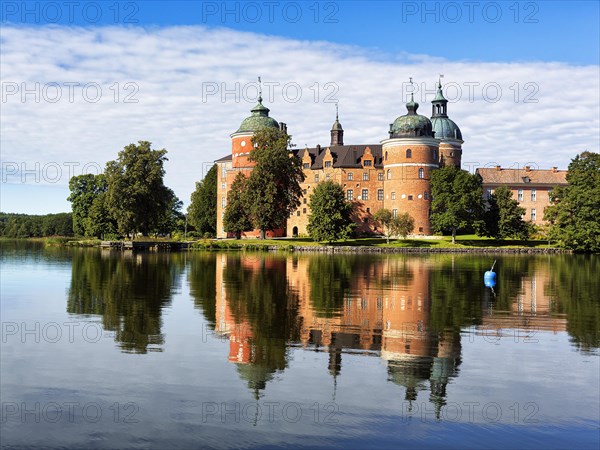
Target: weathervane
(336, 111)
(440, 79)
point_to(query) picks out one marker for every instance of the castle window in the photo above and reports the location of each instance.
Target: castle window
(395, 212)
(223, 202)
(380, 176)
(426, 195)
(303, 210)
(368, 210)
(409, 153)
(316, 177)
(520, 195)
(327, 177)
(410, 197)
(327, 163)
(393, 196)
(420, 229)
(367, 162)
(350, 176)
(223, 170)
(533, 215)
(304, 200)
(435, 155)
(365, 194)
(365, 176)
(223, 185)
(386, 156)
(379, 194)
(389, 174)
(305, 165)
(298, 213)
(421, 173)
(533, 195)
(349, 195)
(489, 193)
(304, 191)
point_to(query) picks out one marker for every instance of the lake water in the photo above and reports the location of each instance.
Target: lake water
(104, 349)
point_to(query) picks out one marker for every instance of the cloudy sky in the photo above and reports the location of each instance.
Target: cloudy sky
(80, 83)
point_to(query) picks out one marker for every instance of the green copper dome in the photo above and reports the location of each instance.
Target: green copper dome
(258, 120)
(411, 124)
(445, 128)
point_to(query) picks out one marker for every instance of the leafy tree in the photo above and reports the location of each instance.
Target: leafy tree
(99, 222)
(172, 219)
(273, 187)
(137, 197)
(202, 212)
(384, 217)
(504, 217)
(330, 213)
(401, 225)
(457, 200)
(236, 219)
(573, 214)
(84, 191)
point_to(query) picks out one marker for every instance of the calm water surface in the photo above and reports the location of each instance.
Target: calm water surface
(112, 350)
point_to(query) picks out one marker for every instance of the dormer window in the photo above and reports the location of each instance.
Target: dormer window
(327, 163)
(367, 162)
(305, 165)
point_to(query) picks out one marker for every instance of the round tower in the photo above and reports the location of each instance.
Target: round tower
(409, 156)
(446, 131)
(241, 140)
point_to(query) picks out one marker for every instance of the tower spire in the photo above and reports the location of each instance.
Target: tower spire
(337, 132)
(260, 99)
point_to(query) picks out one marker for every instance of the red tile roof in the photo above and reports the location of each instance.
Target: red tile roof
(498, 176)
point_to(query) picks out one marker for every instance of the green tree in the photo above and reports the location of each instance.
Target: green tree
(202, 212)
(573, 214)
(403, 225)
(330, 213)
(504, 217)
(99, 222)
(385, 218)
(137, 196)
(457, 200)
(236, 219)
(273, 187)
(84, 191)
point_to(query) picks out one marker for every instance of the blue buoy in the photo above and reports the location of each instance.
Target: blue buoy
(489, 278)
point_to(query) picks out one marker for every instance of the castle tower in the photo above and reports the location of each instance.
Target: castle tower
(409, 156)
(337, 132)
(241, 146)
(446, 131)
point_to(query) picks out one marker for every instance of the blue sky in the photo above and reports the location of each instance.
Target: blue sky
(543, 56)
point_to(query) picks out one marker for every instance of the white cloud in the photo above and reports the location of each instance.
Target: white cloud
(170, 65)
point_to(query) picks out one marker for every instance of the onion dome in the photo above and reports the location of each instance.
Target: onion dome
(258, 120)
(443, 127)
(411, 124)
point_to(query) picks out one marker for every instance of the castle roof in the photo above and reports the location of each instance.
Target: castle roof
(525, 176)
(344, 156)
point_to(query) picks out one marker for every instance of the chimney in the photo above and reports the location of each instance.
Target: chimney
(283, 127)
(498, 168)
(555, 169)
(318, 149)
(527, 169)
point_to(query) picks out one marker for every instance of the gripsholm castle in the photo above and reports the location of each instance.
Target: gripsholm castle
(394, 174)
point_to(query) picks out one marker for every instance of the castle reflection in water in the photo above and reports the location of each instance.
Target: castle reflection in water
(413, 312)
(381, 307)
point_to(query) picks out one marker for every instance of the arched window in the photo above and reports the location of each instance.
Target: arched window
(421, 173)
(409, 153)
(386, 156)
(389, 174)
